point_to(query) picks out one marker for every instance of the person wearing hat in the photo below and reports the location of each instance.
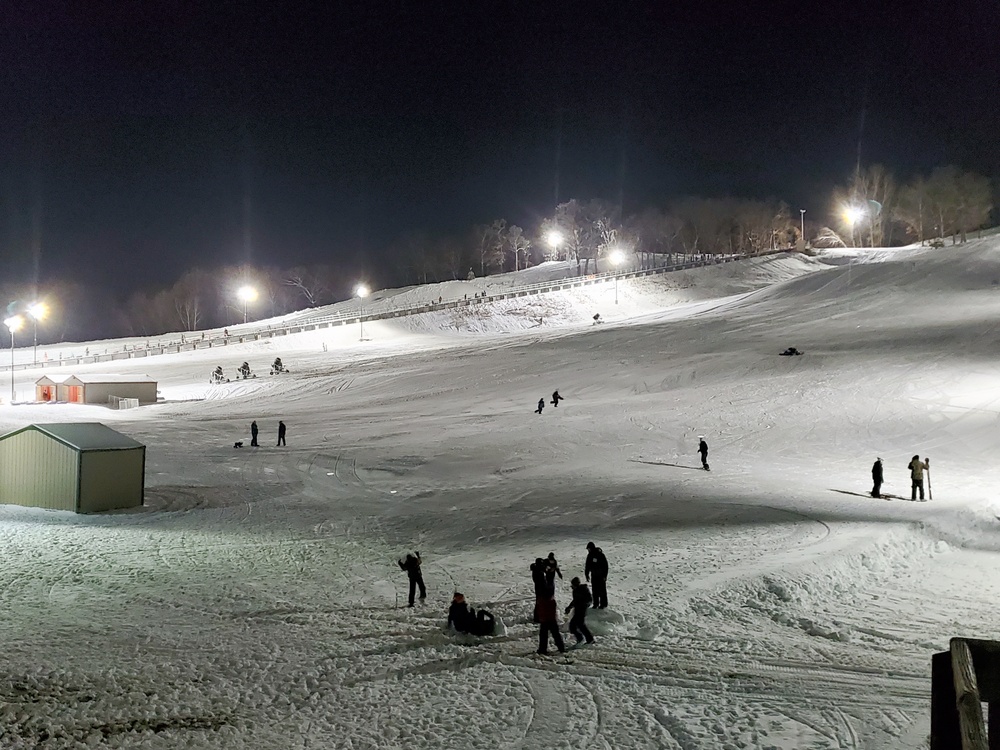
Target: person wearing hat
(703, 450)
(459, 616)
(877, 478)
(596, 571)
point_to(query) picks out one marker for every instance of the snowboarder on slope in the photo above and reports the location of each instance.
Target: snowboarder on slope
(596, 570)
(548, 616)
(281, 433)
(703, 450)
(917, 468)
(877, 478)
(580, 605)
(541, 405)
(253, 434)
(556, 398)
(412, 567)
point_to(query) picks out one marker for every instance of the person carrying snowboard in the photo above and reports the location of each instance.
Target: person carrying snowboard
(253, 434)
(556, 398)
(596, 570)
(281, 433)
(412, 567)
(703, 450)
(917, 468)
(877, 478)
(580, 605)
(541, 405)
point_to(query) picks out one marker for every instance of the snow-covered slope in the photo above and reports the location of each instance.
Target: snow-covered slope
(255, 601)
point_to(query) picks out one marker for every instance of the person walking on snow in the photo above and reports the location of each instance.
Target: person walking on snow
(281, 433)
(917, 469)
(253, 434)
(703, 450)
(556, 398)
(541, 405)
(596, 570)
(542, 590)
(412, 567)
(877, 478)
(548, 617)
(580, 605)
(551, 571)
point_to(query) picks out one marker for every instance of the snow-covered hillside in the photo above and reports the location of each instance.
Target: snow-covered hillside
(255, 602)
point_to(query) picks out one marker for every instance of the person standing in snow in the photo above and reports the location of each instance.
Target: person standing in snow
(596, 570)
(917, 469)
(281, 433)
(541, 405)
(580, 605)
(412, 567)
(551, 571)
(556, 398)
(703, 450)
(253, 434)
(877, 478)
(548, 617)
(542, 590)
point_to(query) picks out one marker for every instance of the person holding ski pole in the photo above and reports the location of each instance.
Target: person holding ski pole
(917, 469)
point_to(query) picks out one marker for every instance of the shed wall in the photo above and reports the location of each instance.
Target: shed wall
(38, 472)
(97, 393)
(112, 479)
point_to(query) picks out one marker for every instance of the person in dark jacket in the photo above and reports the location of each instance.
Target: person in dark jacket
(556, 398)
(541, 405)
(580, 605)
(542, 590)
(877, 478)
(548, 616)
(459, 616)
(253, 434)
(596, 570)
(703, 450)
(551, 571)
(281, 433)
(412, 567)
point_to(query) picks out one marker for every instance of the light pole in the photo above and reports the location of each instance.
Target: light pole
(13, 324)
(617, 257)
(37, 311)
(802, 217)
(248, 294)
(362, 292)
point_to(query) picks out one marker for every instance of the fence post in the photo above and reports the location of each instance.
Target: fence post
(945, 733)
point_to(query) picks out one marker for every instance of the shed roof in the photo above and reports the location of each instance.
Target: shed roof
(102, 378)
(83, 436)
(52, 379)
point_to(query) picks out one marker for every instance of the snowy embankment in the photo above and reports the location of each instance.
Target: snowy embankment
(255, 601)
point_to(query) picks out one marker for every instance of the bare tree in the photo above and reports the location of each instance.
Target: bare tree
(516, 244)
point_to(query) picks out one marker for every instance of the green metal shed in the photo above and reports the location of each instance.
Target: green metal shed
(84, 467)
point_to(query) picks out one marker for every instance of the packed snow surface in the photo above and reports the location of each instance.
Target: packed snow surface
(255, 601)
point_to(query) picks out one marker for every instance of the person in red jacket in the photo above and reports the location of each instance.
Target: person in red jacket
(549, 623)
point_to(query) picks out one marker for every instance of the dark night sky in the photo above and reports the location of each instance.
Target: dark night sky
(141, 128)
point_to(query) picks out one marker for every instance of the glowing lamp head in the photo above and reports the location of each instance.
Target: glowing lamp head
(853, 214)
(554, 238)
(247, 293)
(617, 257)
(14, 323)
(361, 291)
(38, 311)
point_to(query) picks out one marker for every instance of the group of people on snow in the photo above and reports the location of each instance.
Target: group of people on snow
(556, 398)
(917, 469)
(255, 431)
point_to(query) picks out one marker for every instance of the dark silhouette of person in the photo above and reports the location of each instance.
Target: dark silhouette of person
(556, 398)
(548, 624)
(877, 478)
(541, 405)
(412, 567)
(253, 434)
(459, 616)
(596, 570)
(917, 468)
(703, 450)
(281, 433)
(551, 571)
(580, 605)
(542, 590)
